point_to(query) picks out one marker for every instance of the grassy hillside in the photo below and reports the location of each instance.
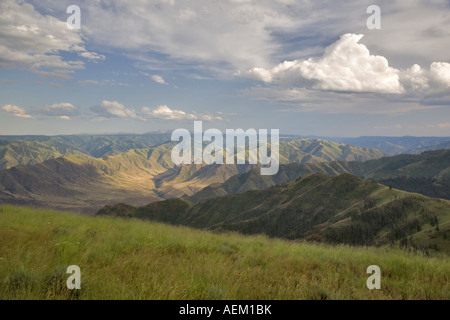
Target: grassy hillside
(318, 150)
(427, 173)
(130, 259)
(100, 145)
(319, 207)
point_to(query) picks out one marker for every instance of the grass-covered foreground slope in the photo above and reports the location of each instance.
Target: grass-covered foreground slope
(131, 259)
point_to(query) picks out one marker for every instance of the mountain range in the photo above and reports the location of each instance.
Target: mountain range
(88, 172)
(393, 145)
(23, 150)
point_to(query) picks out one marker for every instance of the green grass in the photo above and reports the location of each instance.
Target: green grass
(133, 259)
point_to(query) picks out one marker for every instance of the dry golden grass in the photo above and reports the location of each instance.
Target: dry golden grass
(131, 259)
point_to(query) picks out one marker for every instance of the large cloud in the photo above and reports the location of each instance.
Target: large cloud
(34, 41)
(218, 36)
(347, 68)
(346, 65)
(229, 35)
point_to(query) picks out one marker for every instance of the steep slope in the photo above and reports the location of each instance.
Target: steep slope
(153, 169)
(427, 173)
(63, 184)
(319, 207)
(14, 153)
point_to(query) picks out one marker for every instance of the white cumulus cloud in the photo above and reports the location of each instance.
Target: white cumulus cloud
(440, 72)
(16, 111)
(164, 112)
(415, 78)
(158, 79)
(348, 78)
(346, 65)
(62, 110)
(114, 109)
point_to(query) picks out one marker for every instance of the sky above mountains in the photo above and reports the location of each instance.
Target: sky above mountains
(304, 67)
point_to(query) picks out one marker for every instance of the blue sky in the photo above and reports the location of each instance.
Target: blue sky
(304, 67)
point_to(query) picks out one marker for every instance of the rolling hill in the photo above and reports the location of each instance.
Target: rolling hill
(319, 207)
(427, 173)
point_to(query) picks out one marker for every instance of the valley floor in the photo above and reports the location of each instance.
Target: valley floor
(132, 259)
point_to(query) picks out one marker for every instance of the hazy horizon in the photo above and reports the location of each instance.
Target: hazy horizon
(282, 134)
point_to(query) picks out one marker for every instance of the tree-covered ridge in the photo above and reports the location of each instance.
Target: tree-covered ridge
(319, 207)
